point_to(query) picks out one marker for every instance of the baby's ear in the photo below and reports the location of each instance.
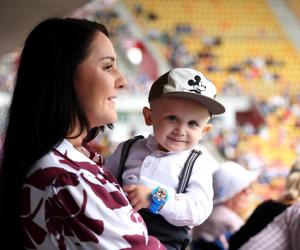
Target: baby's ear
(207, 128)
(147, 113)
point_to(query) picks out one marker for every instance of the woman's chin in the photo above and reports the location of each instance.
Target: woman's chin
(105, 120)
(113, 118)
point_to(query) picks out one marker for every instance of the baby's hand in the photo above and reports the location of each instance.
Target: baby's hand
(138, 195)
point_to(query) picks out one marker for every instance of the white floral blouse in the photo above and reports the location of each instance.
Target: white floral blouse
(71, 202)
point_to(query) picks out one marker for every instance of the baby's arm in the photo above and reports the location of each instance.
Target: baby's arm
(138, 195)
(195, 205)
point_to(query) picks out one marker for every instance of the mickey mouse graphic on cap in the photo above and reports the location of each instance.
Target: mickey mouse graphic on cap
(189, 84)
(195, 84)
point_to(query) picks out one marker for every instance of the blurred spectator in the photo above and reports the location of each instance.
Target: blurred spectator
(269, 209)
(138, 8)
(183, 28)
(231, 186)
(152, 16)
(212, 40)
(231, 87)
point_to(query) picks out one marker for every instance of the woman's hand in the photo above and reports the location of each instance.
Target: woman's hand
(138, 195)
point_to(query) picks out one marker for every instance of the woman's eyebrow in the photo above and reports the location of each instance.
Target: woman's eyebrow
(108, 57)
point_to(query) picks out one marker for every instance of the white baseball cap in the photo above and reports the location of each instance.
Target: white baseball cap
(189, 84)
(230, 179)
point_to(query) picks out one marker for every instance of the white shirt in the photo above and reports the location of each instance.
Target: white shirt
(148, 165)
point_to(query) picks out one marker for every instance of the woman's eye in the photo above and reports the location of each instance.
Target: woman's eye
(171, 118)
(108, 67)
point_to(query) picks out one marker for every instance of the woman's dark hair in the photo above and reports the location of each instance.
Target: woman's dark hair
(44, 107)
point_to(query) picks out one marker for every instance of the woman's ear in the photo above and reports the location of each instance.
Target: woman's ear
(147, 113)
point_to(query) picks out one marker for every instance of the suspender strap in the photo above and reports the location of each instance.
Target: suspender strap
(184, 175)
(125, 150)
(187, 171)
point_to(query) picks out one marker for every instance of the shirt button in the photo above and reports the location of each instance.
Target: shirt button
(147, 164)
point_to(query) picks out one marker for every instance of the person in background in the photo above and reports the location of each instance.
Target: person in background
(55, 193)
(281, 234)
(269, 209)
(231, 183)
(182, 102)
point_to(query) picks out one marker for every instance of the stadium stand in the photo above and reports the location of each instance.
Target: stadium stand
(249, 40)
(244, 49)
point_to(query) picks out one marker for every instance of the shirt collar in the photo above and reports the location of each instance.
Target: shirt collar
(152, 143)
(67, 149)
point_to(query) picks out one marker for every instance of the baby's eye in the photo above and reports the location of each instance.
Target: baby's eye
(171, 118)
(193, 124)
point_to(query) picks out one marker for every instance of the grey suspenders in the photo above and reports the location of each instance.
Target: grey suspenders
(125, 150)
(184, 175)
(186, 172)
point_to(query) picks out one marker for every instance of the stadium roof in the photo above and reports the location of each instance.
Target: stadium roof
(18, 17)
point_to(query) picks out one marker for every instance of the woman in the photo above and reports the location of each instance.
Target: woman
(269, 209)
(54, 191)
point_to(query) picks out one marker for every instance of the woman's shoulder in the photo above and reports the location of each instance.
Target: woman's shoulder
(60, 162)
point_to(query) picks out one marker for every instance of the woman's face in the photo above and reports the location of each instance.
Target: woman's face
(98, 81)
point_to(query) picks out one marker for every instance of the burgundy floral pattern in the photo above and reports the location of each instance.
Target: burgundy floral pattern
(36, 232)
(69, 201)
(70, 218)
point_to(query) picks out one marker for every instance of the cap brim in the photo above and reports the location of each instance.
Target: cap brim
(212, 105)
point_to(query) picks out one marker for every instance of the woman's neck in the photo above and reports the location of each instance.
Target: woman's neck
(75, 138)
(76, 142)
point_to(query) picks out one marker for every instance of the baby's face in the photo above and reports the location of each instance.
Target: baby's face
(178, 124)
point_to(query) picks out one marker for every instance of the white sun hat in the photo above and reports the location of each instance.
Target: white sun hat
(230, 179)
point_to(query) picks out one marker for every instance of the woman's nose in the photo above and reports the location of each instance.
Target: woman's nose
(121, 81)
